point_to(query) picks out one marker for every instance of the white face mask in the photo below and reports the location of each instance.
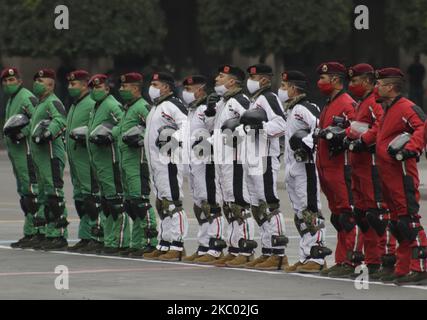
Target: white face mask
(221, 90)
(188, 97)
(283, 95)
(253, 86)
(154, 93)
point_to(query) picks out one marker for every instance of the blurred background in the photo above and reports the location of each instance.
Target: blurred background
(195, 36)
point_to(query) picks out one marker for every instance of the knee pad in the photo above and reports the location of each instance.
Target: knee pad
(29, 205)
(347, 221)
(419, 253)
(227, 213)
(97, 231)
(279, 241)
(361, 220)
(239, 213)
(140, 207)
(308, 222)
(116, 207)
(128, 209)
(39, 222)
(388, 260)
(355, 256)
(198, 212)
(335, 221)
(247, 245)
(376, 223)
(105, 207)
(166, 208)
(79, 208)
(210, 212)
(92, 207)
(319, 252)
(56, 206)
(151, 233)
(217, 244)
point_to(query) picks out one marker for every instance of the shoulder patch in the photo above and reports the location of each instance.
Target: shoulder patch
(315, 111)
(274, 104)
(420, 113)
(34, 101)
(178, 103)
(60, 107)
(242, 100)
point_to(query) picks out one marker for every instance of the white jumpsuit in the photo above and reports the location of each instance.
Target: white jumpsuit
(232, 176)
(262, 186)
(203, 185)
(166, 177)
(301, 178)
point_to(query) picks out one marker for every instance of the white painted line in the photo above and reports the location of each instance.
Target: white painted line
(233, 269)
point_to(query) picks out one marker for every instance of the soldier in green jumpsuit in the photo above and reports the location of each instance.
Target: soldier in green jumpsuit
(48, 151)
(134, 167)
(85, 187)
(104, 158)
(21, 102)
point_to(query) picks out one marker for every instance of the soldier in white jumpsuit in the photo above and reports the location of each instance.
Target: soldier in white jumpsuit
(204, 188)
(262, 185)
(232, 175)
(301, 176)
(166, 175)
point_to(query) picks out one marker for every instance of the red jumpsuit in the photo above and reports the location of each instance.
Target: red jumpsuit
(366, 186)
(402, 116)
(332, 176)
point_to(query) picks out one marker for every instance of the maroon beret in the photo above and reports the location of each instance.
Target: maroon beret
(332, 68)
(97, 79)
(389, 73)
(197, 79)
(9, 72)
(360, 69)
(45, 73)
(80, 75)
(132, 77)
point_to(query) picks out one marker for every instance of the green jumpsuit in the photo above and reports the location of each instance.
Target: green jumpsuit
(24, 102)
(49, 163)
(105, 162)
(86, 189)
(136, 179)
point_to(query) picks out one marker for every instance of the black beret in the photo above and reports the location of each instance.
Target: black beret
(196, 79)
(163, 77)
(296, 77)
(260, 69)
(232, 70)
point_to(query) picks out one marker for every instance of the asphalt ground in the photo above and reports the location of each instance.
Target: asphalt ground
(27, 274)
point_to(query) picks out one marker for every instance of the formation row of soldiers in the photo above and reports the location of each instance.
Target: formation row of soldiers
(363, 155)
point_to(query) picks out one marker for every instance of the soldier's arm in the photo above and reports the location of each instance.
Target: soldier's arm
(415, 118)
(28, 108)
(370, 136)
(276, 125)
(116, 114)
(311, 122)
(59, 118)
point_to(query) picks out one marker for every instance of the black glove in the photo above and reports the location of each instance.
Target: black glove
(356, 145)
(406, 154)
(45, 137)
(211, 102)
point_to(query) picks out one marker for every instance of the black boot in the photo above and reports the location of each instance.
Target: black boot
(21, 242)
(55, 244)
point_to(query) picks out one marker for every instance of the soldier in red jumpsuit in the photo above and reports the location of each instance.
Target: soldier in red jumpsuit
(369, 210)
(400, 179)
(333, 167)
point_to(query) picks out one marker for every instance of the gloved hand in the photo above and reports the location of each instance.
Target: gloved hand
(406, 154)
(45, 137)
(211, 102)
(355, 145)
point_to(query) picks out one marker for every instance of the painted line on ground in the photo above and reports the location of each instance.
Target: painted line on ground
(232, 269)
